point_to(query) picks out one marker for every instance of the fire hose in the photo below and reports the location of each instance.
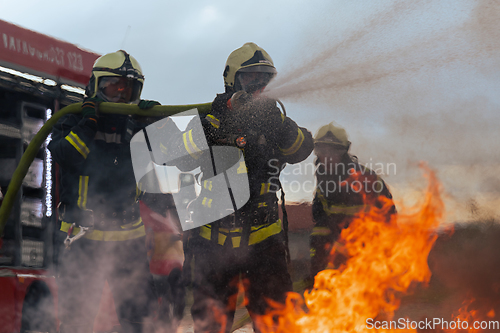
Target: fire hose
(43, 133)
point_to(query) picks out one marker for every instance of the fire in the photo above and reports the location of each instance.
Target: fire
(471, 319)
(385, 260)
(465, 315)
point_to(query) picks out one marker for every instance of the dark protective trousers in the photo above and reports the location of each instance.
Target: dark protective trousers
(263, 271)
(172, 293)
(84, 268)
(321, 251)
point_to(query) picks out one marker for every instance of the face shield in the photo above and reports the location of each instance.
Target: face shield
(329, 149)
(119, 89)
(254, 78)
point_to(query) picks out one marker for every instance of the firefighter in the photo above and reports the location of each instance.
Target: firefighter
(98, 195)
(344, 188)
(250, 241)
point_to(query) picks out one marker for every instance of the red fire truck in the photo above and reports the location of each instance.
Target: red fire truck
(38, 76)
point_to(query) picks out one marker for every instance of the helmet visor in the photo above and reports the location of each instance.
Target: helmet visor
(259, 68)
(329, 149)
(253, 81)
(119, 89)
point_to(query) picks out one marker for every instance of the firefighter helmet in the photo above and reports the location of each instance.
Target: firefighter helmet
(250, 58)
(333, 135)
(116, 64)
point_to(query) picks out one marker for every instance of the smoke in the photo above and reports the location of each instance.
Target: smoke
(394, 46)
(416, 80)
(466, 265)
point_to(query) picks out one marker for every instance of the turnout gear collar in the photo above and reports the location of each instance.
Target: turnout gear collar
(117, 64)
(250, 58)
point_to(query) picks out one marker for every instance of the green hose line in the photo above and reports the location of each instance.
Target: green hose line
(41, 136)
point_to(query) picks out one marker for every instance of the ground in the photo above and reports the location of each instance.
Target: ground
(465, 265)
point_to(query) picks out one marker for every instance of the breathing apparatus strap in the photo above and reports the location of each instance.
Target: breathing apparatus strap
(282, 107)
(245, 236)
(285, 224)
(216, 225)
(214, 233)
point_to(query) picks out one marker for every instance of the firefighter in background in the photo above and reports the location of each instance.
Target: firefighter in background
(251, 241)
(98, 193)
(343, 189)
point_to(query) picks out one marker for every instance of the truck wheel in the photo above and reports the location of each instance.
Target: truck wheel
(38, 311)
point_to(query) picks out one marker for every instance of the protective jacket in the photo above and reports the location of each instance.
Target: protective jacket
(240, 153)
(97, 184)
(267, 140)
(343, 190)
(341, 195)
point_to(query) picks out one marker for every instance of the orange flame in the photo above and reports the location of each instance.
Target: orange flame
(471, 319)
(385, 259)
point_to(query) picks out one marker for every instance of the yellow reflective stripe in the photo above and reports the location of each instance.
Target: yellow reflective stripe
(257, 234)
(346, 210)
(65, 227)
(114, 236)
(83, 188)
(138, 191)
(261, 234)
(198, 151)
(321, 231)
(205, 232)
(78, 144)
(163, 149)
(132, 224)
(222, 239)
(190, 146)
(108, 236)
(207, 184)
(264, 188)
(207, 202)
(296, 145)
(242, 168)
(236, 241)
(213, 121)
(262, 204)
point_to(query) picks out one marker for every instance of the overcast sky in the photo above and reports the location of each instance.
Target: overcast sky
(410, 80)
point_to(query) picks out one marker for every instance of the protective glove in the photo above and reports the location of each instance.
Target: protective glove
(145, 104)
(90, 107)
(236, 119)
(272, 116)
